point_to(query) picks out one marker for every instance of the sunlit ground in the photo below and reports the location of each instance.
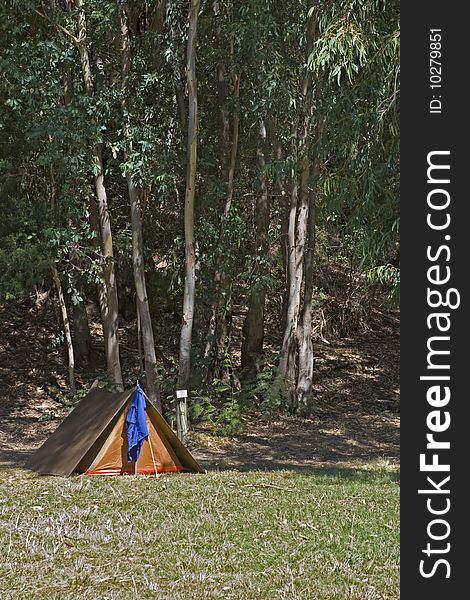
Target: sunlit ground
(326, 533)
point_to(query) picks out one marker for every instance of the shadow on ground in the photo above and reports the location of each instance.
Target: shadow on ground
(301, 445)
(356, 386)
(356, 393)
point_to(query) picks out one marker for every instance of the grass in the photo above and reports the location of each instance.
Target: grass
(317, 534)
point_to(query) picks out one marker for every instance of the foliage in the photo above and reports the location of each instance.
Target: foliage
(357, 57)
(219, 406)
(389, 276)
(50, 125)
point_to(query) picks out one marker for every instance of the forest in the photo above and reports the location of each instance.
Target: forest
(202, 197)
(222, 178)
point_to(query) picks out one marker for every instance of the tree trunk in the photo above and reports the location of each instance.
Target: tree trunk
(304, 332)
(253, 327)
(81, 334)
(300, 222)
(144, 317)
(190, 257)
(81, 330)
(109, 303)
(221, 306)
(285, 381)
(224, 123)
(284, 212)
(224, 296)
(67, 333)
(304, 329)
(101, 286)
(234, 148)
(302, 395)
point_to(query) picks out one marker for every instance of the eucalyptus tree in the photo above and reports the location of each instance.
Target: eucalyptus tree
(109, 300)
(67, 331)
(143, 311)
(292, 131)
(357, 58)
(228, 79)
(297, 342)
(342, 145)
(48, 172)
(263, 46)
(70, 21)
(190, 248)
(253, 325)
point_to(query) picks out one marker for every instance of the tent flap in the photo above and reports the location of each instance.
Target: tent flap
(63, 450)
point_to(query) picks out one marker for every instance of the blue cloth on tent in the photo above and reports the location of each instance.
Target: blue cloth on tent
(136, 425)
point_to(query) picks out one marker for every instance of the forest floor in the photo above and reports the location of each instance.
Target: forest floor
(293, 508)
(356, 390)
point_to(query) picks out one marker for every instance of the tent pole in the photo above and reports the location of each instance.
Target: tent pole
(150, 443)
(153, 458)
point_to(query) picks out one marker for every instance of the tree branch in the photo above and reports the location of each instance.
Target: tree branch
(59, 27)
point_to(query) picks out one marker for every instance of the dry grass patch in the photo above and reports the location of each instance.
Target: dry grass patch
(329, 533)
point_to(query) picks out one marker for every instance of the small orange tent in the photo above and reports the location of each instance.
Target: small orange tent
(92, 440)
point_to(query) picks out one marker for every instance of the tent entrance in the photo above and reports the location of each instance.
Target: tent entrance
(108, 455)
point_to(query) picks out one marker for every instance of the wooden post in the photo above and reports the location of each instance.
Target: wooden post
(181, 414)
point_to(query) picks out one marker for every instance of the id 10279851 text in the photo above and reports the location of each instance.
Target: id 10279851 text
(435, 71)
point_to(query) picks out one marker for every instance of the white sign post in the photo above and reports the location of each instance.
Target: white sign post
(181, 414)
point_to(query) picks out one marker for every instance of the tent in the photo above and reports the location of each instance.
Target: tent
(92, 440)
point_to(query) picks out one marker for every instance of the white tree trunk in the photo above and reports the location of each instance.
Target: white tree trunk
(143, 310)
(67, 332)
(190, 255)
(109, 303)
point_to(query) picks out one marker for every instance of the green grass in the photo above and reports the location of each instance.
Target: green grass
(326, 534)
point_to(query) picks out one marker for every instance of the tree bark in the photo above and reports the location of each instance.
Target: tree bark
(67, 333)
(304, 332)
(302, 394)
(145, 320)
(221, 306)
(109, 303)
(190, 257)
(280, 188)
(306, 359)
(81, 334)
(304, 329)
(300, 232)
(285, 381)
(253, 326)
